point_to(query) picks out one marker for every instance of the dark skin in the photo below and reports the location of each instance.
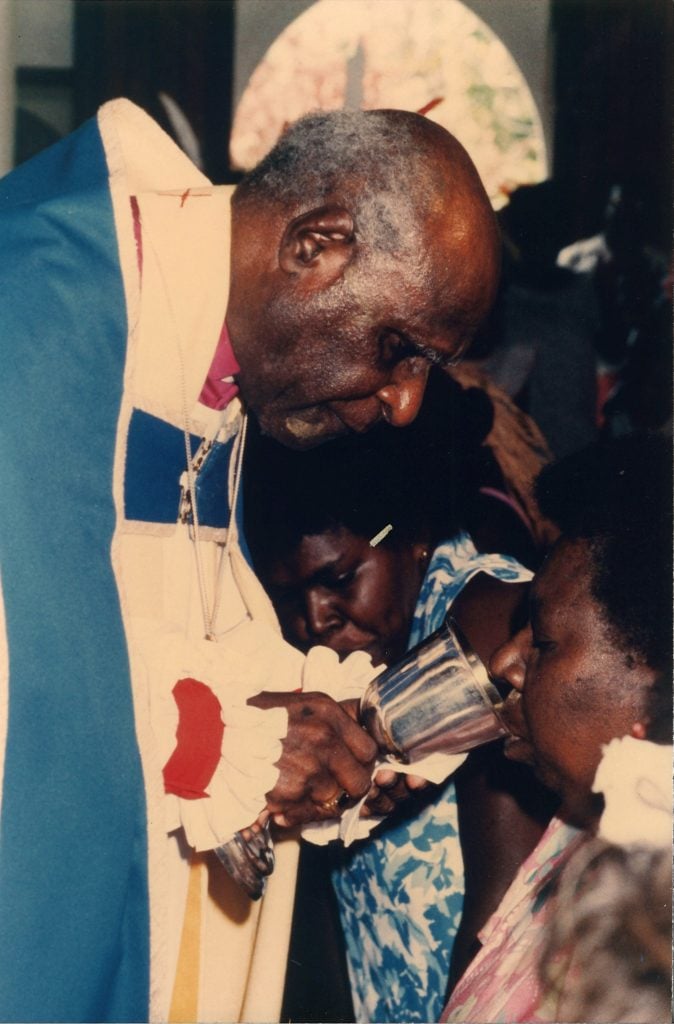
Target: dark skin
(339, 340)
(502, 810)
(575, 687)
(341, 337)
(324, 749)
(336, 590)
(574, 690)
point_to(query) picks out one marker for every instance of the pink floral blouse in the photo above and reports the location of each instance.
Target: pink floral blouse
(502, 983)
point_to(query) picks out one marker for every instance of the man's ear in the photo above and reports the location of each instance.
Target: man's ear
(320, 243)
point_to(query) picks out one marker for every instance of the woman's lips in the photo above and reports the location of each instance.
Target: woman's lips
(511, 713)
(516, 746)
(345, 644)
(372, 647)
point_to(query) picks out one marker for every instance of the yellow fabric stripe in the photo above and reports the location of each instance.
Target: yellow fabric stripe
(185, 999)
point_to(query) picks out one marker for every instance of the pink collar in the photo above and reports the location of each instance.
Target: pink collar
(220, 387)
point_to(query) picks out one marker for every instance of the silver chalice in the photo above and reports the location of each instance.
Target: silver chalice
(437, 699)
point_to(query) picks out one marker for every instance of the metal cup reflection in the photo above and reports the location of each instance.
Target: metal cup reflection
(437, 699)
(249, 858)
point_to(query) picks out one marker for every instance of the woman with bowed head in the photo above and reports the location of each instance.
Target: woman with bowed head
(366, 544)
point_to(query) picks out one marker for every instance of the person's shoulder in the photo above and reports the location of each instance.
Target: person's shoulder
(489, 611)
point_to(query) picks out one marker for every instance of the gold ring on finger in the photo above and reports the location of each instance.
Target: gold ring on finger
(336, 803)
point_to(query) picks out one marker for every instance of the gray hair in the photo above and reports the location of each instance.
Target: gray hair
(371, 160)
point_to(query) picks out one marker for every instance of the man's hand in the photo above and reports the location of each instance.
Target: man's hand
(327, 759)
(388, 789)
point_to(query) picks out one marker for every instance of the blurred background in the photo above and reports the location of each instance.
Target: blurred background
(564, 105)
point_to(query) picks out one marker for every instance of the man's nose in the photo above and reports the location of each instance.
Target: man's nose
(402, 398)
(321, 613)
(509, 661)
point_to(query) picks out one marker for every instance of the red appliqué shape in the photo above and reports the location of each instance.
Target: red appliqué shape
(192, 764)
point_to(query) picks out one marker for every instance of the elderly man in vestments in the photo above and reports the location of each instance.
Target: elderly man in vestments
(149, 708)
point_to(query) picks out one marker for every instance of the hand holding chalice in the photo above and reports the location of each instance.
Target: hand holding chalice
(437, 699)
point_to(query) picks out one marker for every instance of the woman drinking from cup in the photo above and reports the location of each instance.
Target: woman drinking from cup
(584, 670)
(365, 545)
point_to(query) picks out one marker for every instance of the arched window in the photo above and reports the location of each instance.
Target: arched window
(431, 55)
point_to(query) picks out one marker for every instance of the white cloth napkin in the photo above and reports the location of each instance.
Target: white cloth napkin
(635, 777)
(343, 681)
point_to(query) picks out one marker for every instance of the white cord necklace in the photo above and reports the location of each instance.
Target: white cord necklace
(209, 608)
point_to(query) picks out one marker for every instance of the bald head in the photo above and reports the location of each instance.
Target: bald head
(462, 237)
(367, 247)
(381, 156)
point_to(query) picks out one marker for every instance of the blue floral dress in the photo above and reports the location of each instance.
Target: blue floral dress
(400, 894)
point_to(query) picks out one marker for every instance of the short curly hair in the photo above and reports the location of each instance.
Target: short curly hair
(617, 495)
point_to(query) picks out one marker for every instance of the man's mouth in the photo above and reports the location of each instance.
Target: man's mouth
(306, 428)
(311, 425)
(357, 415)
(303, 429)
